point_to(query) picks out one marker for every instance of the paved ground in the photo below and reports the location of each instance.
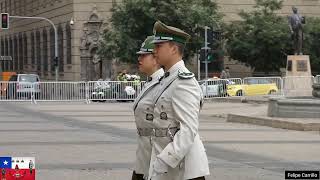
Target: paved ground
(76, 141)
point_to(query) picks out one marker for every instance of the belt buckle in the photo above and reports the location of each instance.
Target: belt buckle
(153, 132)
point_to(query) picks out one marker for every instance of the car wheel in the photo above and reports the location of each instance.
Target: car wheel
(239, 93)
(272, 91)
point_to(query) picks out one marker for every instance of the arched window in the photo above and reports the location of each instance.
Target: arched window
(9, 46)
(16, 52)
(32, 49)
(60, 45)
(20, 53)
(38, 51)
(2, 52)
(2, 47)
(68, 38)
(25, 48)
(45, 51)
(52, 50)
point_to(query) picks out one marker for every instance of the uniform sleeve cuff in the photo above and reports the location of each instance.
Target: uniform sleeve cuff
(169, 157)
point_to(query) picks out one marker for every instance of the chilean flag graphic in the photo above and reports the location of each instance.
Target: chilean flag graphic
(17, 168)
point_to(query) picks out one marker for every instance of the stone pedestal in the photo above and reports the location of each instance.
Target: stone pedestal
(294, 108)
(298, 80)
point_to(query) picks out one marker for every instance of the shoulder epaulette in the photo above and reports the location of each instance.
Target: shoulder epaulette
(185, 75)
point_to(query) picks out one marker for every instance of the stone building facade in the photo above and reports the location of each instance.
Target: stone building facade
(231, 8)
(31, 42)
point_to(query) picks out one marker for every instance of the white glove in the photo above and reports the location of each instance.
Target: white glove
(160, 167)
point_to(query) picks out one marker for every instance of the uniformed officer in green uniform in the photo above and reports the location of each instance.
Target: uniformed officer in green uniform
(143, 107)
(177, 151)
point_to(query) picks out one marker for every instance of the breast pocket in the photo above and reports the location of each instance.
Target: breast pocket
(165, 109)
(149, 114)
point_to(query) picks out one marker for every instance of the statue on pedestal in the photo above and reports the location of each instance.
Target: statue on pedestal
(296, 22)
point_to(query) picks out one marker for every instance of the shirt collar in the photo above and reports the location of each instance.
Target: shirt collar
(176, 66)
(157, 75)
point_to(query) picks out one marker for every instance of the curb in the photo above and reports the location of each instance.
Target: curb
(238, 100)
(273, 122)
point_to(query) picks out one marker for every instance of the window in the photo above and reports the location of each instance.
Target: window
(38, 51)
(2, 52)
(2, 47)
(68, 38)
(20, 53)
(60, 44)
(9, 43)
(52, 50)
(15, 55)
(25, 48)
(45, 51)
(32, 48)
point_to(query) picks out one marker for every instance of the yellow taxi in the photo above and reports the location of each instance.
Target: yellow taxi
(252, 87)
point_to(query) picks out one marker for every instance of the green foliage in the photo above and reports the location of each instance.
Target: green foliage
(262, 40)
(132, 21)
(312, 42)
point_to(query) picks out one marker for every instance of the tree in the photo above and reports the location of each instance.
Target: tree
(132, 21)
(262, 39)
(312, 43)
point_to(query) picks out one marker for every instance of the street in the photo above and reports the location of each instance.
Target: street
(77, 141)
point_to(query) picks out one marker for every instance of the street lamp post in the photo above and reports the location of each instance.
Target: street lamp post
(55, 40)
(206, 48)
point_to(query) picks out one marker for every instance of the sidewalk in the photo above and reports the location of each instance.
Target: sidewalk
(255, 112)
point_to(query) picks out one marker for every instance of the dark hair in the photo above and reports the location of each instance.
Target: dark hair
(180, 47)
(227, 67)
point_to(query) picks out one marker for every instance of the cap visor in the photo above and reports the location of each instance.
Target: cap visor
(159, 41)
(143, 52)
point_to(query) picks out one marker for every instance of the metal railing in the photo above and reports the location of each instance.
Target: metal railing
(102, 91)
(114, 90)
(62, 91)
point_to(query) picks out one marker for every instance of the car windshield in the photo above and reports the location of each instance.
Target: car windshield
(28, 78)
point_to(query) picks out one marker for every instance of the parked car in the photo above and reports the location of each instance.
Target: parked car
(253, 87)
(23, 85)
(215, 87)
(101, 91)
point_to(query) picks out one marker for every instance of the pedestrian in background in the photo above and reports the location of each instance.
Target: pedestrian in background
(225, 74)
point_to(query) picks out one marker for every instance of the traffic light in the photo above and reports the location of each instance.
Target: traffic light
(4, 20)
(55, 61)
(206, 55)
(210, 37)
